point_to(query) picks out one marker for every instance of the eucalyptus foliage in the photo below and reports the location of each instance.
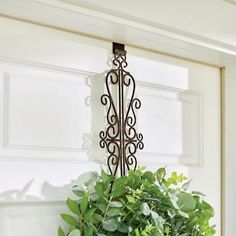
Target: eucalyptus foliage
(140, 204)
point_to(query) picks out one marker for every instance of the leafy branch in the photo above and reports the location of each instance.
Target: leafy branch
(140, 204)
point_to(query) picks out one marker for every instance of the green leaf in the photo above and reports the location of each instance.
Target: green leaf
(99, 188)
(93, 179)
(98, 218)
(105, 177)
(174, 200)
(185, 186)
(73, 206)
(181, 178)
(84, 204)
(89, 232)
(120, 182)
(186, 202)
(70, 220)
(75, 232)
(173, 179)
(89, 214)
(60, 232)
(185, 215)
(136, 231)
(118, 191)
(161, 173)
(123, 228)
(119, 186)
(131, 199)
(101, 206)
(114, 212)
(79, 193)
(167, 230)
(145, 209)
(116, 204)
(110, 225)
(148, 175)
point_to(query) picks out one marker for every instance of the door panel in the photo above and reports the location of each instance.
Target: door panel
(50, 88)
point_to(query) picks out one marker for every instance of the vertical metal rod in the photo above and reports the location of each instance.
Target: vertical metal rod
(122, 121)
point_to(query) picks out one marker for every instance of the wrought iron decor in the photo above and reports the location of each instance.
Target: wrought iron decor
(120, 138)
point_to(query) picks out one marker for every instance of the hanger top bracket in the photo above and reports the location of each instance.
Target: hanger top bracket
(118, 48)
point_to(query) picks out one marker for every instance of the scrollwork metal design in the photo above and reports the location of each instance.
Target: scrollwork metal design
(120, 138)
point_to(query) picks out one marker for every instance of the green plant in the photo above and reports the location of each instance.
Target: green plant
(140, 204)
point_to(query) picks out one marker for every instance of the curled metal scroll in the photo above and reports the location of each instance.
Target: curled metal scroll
(120, 138)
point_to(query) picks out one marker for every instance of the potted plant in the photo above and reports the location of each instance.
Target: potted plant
(139, 204)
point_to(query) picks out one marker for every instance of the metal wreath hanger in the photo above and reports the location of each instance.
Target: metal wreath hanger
(120, 138)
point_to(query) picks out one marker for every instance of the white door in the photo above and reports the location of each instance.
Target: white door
(50, 117)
